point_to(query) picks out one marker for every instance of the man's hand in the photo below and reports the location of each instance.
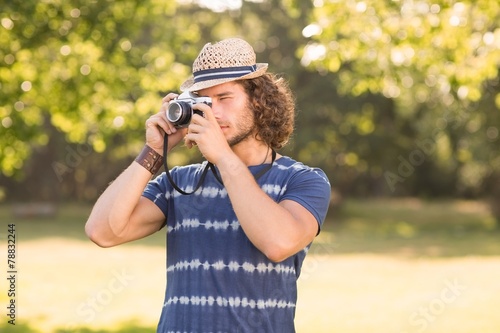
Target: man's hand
(157, 125)
(206, 133)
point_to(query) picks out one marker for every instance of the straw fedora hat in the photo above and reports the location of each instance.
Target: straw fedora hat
(228, 60)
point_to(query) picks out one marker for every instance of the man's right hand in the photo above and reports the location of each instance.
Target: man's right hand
(157, 125)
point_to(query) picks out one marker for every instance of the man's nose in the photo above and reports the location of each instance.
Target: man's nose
(216, 110)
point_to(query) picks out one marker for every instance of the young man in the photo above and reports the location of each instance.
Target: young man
(234, 247)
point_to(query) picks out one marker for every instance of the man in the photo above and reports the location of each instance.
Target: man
(236, 245)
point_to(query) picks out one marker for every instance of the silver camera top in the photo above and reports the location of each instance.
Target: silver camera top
(180, 110)
(188, 96)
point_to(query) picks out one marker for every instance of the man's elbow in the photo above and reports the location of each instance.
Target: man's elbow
(95, 236)
(277, 258)
(284, 249)
(278, 253)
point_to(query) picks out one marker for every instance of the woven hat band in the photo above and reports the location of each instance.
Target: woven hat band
(223, 73)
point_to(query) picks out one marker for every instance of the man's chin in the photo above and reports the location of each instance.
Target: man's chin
(238, 139)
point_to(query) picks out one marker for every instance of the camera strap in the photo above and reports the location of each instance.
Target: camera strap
(210, 166)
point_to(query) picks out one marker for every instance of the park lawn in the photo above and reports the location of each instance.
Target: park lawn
(378, 266)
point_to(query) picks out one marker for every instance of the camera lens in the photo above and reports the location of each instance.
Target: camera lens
(174, 112)
(179, 113)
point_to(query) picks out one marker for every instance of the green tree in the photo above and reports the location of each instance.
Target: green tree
(438, 62)
(81, 76)
(394, 97)
(90, 70)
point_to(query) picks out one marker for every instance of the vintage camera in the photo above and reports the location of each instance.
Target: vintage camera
(181, 110)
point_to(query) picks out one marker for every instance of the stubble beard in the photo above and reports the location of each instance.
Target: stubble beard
(242, 136)
(246, 128)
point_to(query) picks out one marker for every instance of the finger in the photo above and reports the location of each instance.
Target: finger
(195, 128)
(160, 121)
(169, 97)
(163, 115)
(189, 141)
(207, 111)
(164, 107)
(167, 126)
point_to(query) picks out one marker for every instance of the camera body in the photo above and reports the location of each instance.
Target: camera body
(180, 111)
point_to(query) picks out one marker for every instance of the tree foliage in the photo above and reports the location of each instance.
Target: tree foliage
(89, 69)
(438, 61)
(394, 97)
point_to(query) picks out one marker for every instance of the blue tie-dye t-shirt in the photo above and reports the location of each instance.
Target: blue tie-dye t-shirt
(217, 280)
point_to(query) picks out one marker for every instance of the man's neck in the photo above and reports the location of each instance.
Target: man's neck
(253, 153)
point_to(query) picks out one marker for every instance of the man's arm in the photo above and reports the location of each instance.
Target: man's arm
(277, 230)
(121, 214)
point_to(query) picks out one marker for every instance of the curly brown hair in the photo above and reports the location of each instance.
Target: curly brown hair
(273, 104)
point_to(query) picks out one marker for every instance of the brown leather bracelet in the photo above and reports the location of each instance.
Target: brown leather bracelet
(150, 159)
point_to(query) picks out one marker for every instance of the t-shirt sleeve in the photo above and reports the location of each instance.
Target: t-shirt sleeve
(156, 191)
(310, 188)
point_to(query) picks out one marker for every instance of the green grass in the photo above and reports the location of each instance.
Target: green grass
(416, 227)
(69, 222)
(124, 328)
(411, 227)
(375, 263)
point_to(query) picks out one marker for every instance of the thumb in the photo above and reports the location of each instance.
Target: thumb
(208, 113)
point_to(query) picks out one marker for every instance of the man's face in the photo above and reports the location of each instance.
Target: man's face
(230, 108)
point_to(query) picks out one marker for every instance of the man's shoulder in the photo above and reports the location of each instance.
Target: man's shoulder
(288, 163)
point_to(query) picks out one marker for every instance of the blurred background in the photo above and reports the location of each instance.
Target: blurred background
(398, 102)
